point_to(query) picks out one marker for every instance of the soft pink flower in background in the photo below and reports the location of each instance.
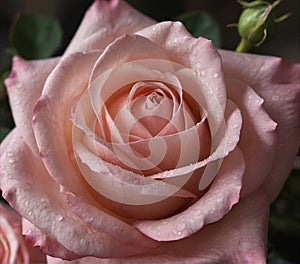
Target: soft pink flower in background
(214, 132)
(13, 248)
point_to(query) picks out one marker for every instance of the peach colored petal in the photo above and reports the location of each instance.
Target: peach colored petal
(198, 54)
(217, 202)
(240, 237)
(105, 21)
(277, 82)
(24, 86)
(122, 185)
(51, 124)
(108, 224)
(48, 245)
(259, 129)
(225, 186)
(32, 192)
(228, 143)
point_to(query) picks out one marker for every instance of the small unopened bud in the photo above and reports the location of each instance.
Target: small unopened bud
(257, 22)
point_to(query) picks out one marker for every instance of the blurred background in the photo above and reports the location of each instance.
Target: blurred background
(284, 235)
(69, 13)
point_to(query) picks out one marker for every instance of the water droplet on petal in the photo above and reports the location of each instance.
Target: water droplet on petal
(59, 218)
(177, 233)
(26, 203)
(10, 154)
(275, 97)
(11, 160)
(31, 215)
(220, 200)
(203, 73)
(215, 75)
(89, 219)
(180, 227)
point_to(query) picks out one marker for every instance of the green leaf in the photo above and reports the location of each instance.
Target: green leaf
(202, 24)
(3, 75)
(35, 36)
(3, 132)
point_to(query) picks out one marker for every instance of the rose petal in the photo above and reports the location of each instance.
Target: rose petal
(29, 189)
(51, 124)
(238, 238)
(122, 185)
(229, 141)
(48, 245)
(24, 86)
(108, 224)
(198, 54)
(277, 82)
(259, 129)
(105, 21)
(211, 207)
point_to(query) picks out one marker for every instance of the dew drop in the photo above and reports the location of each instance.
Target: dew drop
(177, 233)
(215, 75)
(90, 219)
(180, 227)
(31, 215)
(81, 240)
(11, 160)
(10, 154)
(275, 97)
(26, 203)
(198, 213)
(235, 125)
(220, 200)
(203, 73)
(59, 218)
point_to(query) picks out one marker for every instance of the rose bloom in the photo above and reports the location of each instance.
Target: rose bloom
(143, 144)
(13, 248)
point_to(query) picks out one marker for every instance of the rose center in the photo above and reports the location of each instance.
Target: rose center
(153, 100)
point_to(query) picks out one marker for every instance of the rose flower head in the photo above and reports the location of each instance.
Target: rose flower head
(143, 144)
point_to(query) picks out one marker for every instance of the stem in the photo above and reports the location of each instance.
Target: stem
(243, 46)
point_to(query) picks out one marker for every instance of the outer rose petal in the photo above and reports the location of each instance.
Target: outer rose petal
(53, 136)
(31, 191)
(259, 129)
(48, 245)
(277, 82)
(105, 21)
(238, 238)
(24, 86)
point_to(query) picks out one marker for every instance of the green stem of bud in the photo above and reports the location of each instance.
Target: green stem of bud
(243, 46)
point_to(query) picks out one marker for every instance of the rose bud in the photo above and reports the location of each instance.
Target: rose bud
(257, 22)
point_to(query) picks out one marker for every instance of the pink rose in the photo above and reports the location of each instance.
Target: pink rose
(13, 248)
(142, 144)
